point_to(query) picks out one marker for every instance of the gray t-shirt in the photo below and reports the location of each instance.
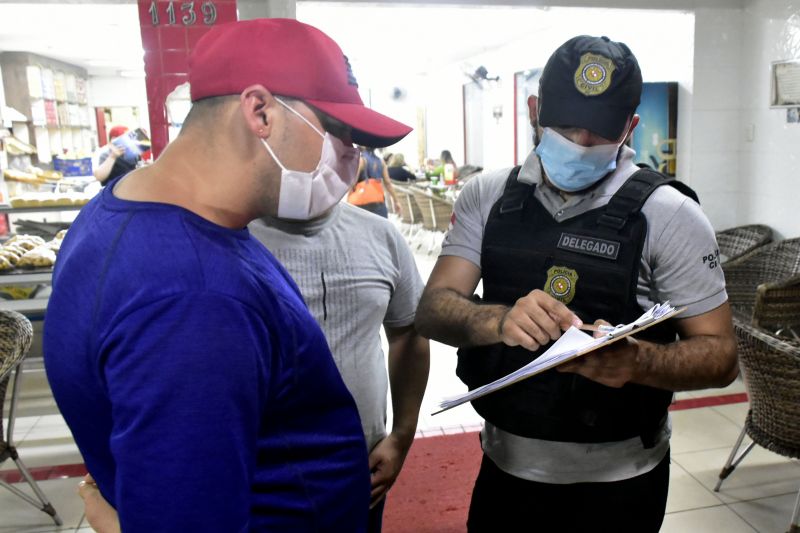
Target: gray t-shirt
(355, 272)
(679, 263)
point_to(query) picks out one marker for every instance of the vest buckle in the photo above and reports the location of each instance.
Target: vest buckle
(612, 221)
(511, 206)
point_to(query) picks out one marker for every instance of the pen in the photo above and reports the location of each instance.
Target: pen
(601, 328)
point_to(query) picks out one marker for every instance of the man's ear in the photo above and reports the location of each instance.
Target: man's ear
(533, 110)
(258, 106)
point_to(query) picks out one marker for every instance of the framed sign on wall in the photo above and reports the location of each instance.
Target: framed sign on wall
(785, 83)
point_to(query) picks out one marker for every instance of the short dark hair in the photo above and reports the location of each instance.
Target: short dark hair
(206, 107)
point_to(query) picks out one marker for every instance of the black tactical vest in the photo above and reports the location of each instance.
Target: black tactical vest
(590, 262)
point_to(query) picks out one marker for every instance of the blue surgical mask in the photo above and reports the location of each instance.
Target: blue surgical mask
(572, 167)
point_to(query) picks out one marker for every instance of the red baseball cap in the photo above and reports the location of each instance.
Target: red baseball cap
(291, 59)
(116, 131)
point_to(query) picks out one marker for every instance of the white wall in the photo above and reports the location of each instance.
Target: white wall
(119, 91)
(770, 163)
(710, 129)
(428, 49)
(661, 40)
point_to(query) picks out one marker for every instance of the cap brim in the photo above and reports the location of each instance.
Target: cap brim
(596, 116)
(370, 128)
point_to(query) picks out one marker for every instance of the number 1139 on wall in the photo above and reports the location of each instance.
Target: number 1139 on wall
(186, 12)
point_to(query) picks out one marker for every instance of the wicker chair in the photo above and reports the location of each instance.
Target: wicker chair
(764, 286)
(16, 334)
(436, 212)
(771, 371)
(410, 210)
(738, 241)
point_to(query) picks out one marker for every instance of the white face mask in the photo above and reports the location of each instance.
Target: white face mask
(307, 195)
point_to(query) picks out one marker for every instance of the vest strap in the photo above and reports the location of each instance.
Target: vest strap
(630, 198)
(514, 193)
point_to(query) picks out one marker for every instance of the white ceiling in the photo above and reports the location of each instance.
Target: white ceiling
(102, 38)
(105, 38)
(407, 40)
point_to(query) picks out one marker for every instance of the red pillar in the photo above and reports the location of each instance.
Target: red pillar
(170, 30)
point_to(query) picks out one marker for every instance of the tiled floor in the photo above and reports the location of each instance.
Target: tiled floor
(758, 497)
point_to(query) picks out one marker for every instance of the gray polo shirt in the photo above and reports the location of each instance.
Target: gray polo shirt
(679, 263)
(356, 273)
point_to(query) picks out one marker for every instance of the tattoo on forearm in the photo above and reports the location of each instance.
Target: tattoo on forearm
(449, 317)
(690, 364)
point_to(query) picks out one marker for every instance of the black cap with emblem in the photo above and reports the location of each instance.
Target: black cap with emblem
(592, 83)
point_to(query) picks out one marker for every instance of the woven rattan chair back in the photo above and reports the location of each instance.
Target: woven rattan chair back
(443, 211)
(16, 334)
(764, 285)
(771, 371)
(736, 242)
(425, 204)
(410, 213)
(435, 211)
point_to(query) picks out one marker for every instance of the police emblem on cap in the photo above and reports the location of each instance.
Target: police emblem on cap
(593, 76)
(561, 283)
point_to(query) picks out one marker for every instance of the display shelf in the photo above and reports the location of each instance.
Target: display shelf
(33, 306)
(47, 208)
(22, 277)
(51, 93)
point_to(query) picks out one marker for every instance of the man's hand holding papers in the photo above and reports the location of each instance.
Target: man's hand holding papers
(571, 347)
(613, 365)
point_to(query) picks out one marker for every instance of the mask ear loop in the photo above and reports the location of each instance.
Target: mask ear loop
(304, 119)
(266, 145)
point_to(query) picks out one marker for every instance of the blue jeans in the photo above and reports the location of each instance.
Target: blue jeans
(379, 208)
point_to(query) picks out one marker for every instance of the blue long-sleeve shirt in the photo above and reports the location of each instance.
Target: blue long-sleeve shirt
(198, 388)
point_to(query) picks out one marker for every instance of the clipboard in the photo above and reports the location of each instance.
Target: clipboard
(557, 358)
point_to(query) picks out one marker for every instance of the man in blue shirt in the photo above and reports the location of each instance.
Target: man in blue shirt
(199, 389)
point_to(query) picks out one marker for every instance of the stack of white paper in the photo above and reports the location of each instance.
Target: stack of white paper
(570, 345)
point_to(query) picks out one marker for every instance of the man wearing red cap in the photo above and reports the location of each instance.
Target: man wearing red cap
(197, 385)
(579, 233)
(112, 163)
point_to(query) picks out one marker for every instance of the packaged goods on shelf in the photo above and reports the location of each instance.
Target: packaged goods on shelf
(15, 146)
(50, 199)
(29, 251)
(32, 179)
(40, 257)
(77, 166)
(23, 253)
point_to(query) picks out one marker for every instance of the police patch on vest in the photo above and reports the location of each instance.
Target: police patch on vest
(593, 75)
(561, 283)
(589, 245)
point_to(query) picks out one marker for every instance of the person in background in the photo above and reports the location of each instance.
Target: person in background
(356, 273)
(440, 170)
(397, 169)
(373, 183)
(579, 234)
(116, 161)
(200, 390)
